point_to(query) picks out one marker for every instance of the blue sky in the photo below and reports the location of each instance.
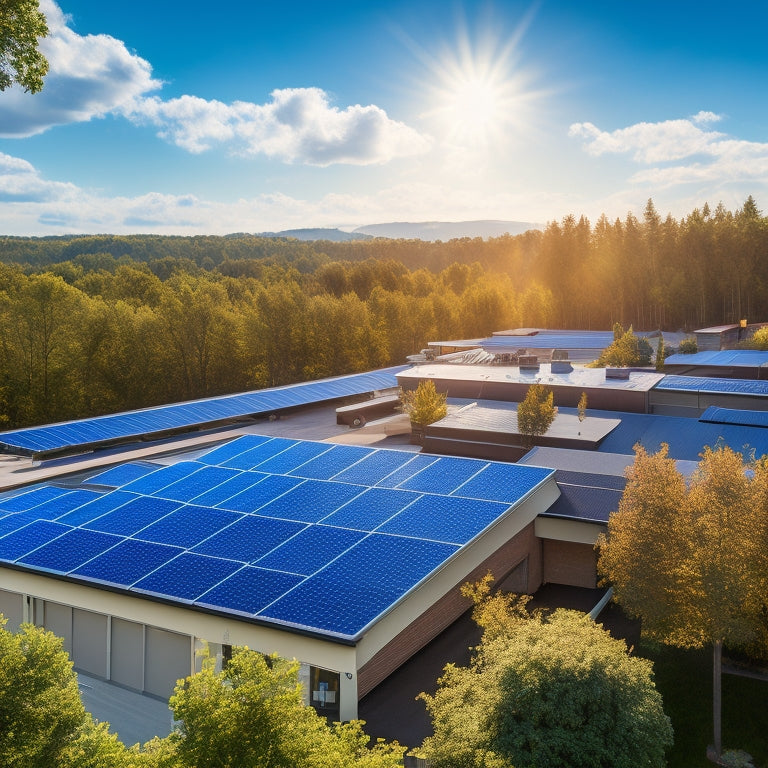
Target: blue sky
(192, 118)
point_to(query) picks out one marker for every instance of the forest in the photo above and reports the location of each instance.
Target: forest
(99, 324)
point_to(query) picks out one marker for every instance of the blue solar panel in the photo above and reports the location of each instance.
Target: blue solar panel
(249, 590)
(19, 542)
(255, 497)
(162, 477)
(593, 505)
(370, 509)
(251, 458)
(179, 416)
(374, 467)
(310, 550)
(197, 483)
(444, 518)
(293, 457)
(354, 589)
(31, 498)
(127, 562)
(60, 505)
(188, 526)
(325, 466)
(444, 476)
(122, 474)
(410, 468)
(249, 538)
(102, 504)
(231, 449)
(188, 576)
(503, 482)
(311, 501)
(717, 415)
(67, 552)
(704, 384)
(228, 489)
(131, 517)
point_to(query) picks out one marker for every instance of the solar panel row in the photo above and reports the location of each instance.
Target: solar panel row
(328, 555)
(150, 421)
(705, 384)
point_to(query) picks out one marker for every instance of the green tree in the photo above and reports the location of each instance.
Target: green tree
(691, 560)
(536, 413)
(626, 350)
(546, 692)
(425, 404)
(251, 715)
(21, 27)
(688, 347)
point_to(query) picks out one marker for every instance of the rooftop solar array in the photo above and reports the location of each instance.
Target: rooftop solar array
(733, 416)
(180, 416)
(318, 537)
(712, 385)
(724, 357)
(560, 340)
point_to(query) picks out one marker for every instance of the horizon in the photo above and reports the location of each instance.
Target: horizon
(340, 116)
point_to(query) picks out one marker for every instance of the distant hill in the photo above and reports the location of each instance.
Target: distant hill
(318, 233)
(446, 230)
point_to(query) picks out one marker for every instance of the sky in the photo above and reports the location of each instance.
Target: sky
(192, 118)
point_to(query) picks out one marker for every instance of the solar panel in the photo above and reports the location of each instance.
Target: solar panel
(181, 416)
(127, 562)
(717, 415)
(231, 449)
(374, 468)
(497, 482)
(133, 515)
(258, 454)
(293, 457)
(162, 477)
(21, 541)
(407, 470)
(31, 498)
(370, 509)
(196, 483)
(444, 518)
(229, 488)
(310, 549)
(355, 588)
(54, 508)
(704, 384)
(102, 504)
(443, 476)
(249, 590)
(187, 576)
(67, 552)
(328, 464)
(311, 501)
(188, 526)
(249, 538)
(122, 474)
(254, 498)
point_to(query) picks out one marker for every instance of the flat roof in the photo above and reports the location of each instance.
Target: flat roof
(579, 377)
(99, 430)
(307, 536)
(753, 387)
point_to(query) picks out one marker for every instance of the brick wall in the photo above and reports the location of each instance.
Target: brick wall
(566, 562)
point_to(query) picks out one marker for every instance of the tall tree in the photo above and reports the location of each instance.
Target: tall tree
(546, 692)
(21, 27)
(691, 560)
(536, 412)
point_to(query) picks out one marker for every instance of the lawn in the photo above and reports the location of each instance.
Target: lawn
(684, 679)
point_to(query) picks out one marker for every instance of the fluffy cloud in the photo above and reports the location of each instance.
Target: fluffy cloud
(93, 76)
(90, 76)
(20, 182)
(298, 125)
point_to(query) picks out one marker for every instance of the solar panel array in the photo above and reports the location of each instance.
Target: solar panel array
(717, 415)
(558, 340)
(179, 416)
(315, 536)
(712, 385)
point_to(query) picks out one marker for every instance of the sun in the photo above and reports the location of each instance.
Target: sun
(477, 93)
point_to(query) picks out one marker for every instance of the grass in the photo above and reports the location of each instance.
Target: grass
(684, 679)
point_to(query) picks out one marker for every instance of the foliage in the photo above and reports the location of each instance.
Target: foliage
(688, 346)
(691, 560)
(582, 406)
(661, 353)
(425, 404)
(759, 339)
(536, 412)
(546, 692)
(21, 26)
(251, 715)
(625, 351)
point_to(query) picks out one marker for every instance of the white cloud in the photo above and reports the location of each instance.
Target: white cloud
(20, 182)
(298, 125)
(90, 76)
(93, 76)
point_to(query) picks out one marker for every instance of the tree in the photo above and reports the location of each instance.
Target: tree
(424, 404)
(536, 413)
(690, 560)
(625, 350)
(688, 347)
(251, 715)
(660, 353)
(545, 691)
(582, 406)
(21, 26)
(42, 719)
